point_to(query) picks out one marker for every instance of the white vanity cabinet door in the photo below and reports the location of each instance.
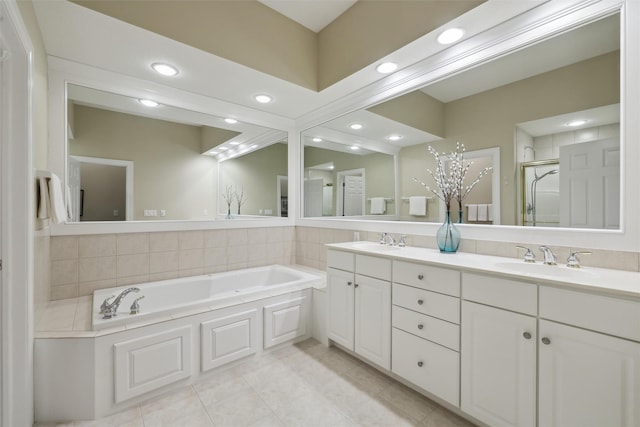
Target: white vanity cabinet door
(340, 291)
(498, 369)
(587, 378)
(373, 320)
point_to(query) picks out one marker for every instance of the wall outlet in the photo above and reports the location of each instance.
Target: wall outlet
(163, 212)
(150, 212)
(115, 212)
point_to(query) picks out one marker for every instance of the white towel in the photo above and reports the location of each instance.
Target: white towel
(56, 200)
(43, 198)
(378, 205)
(472, 213)
(490, 214)
(482, 213)
(418, 205)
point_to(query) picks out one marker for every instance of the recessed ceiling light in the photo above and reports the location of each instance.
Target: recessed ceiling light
(164, 69)
(223, 148)
(263, 99)
(355, 126)
(253, 146)
(148, 103)
(578, 122)
(394, 137)
(451, 35)
(387, 67)
(317, 139)
(234, 143)
(354, 147)
(231, 121)
(212, 153)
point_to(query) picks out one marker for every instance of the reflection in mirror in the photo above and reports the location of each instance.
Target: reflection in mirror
(514, 103)
(133, 160)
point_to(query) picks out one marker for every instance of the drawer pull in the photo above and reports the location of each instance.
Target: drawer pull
(355, 285)
(420, 302)
(420, 364)
(420, 326)
(420, 276)
(527, 335)
(546, 341)
(349, 283)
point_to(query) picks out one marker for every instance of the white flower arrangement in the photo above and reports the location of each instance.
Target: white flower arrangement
(451, 182)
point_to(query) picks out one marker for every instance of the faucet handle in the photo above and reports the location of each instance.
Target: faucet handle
(105, 304)
(383, 238)
(402, 243)
(529, 256)
(135, 307)
(573, 260)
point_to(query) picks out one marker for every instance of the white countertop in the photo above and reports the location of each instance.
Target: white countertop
(610, 282)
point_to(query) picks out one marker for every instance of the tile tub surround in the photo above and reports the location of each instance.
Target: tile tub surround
(81, 264)
(306, 384)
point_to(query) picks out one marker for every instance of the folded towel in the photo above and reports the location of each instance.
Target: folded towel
(472, 213)
(56, 200)
(490, 214)
(378, 205)
(482, 213)
(418, 205)
(43, 199)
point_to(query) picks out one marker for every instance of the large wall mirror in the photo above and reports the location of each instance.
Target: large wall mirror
(134, 159)
(546, 117)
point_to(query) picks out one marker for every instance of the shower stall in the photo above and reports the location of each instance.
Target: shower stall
(540, 193)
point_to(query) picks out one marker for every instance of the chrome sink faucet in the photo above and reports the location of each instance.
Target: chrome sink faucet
(109, 310)
(549, 256)
(387, 239)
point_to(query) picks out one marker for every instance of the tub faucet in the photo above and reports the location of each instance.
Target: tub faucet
(549, 256)
(109, 310)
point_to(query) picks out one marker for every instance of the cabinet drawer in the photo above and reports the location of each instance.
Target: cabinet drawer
(427, 277)
(341, 260)
(371, 266)
(433, 304)
(429, 366)
(427, 327)
(610, 315)
(509, 294)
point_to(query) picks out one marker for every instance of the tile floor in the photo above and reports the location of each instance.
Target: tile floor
(306, 384)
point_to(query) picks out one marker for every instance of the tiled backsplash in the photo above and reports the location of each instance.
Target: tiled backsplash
(82, 264)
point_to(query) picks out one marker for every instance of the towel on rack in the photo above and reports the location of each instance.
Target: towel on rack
(378, 205)
(43, 199)
(56, 200)
(472, 213)
(482, 213)
(417, 205)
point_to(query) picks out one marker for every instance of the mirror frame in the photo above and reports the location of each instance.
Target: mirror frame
(545, 21)
(62, 72)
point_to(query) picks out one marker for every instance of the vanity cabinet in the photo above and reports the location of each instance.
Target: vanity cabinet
(426, 328)
(359, 316)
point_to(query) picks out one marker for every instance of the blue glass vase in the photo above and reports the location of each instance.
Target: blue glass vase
(448, 236)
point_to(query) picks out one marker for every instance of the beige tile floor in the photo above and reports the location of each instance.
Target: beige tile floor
(306, 384)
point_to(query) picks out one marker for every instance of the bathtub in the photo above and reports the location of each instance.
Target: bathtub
(167, 298)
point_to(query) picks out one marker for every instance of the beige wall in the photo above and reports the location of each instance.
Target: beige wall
(489, 119)
(415, 109)
(104, 192)
(169, 171)
(257, 173)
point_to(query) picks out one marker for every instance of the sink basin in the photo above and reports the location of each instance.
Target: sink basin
(558, 271)
(371, 246)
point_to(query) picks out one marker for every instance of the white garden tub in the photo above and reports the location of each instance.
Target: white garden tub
(171, 297)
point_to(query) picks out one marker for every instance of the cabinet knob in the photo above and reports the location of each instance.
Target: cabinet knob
(420, 364)
(420, 276)
(349, 283)
(355, 285)
(420, 326)
(420, 302)
(546, 341)
(527, 335)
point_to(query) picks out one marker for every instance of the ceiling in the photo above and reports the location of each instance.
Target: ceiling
(313, 14)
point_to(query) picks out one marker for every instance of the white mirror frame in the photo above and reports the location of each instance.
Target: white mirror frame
(62, 72)
(546, 20)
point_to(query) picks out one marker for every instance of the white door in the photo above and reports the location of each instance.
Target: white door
(590, 184)
(75, 184)
(587, 379)
(353, 195)
(341, 305)
(498, 369)
(313, 198)
(373, 320)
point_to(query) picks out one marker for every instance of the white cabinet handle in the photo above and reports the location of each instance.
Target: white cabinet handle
(420, 276)
(420, 326)
(420, 364)
(420, 302)
(527, 335)
(546, 341)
